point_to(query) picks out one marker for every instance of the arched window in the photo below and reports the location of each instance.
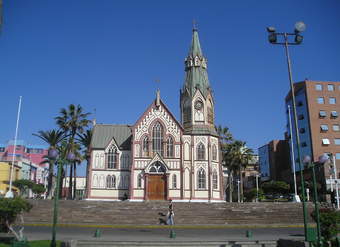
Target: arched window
(96, 161)
(102, 181)
(108, 182)
(214, 152)
(112, 158)
(126, 181)
(201, 180)
(157, 138)
(111, 181)
(139, 181)
(215, 180)
(145, 147)
(170, 147)
(200, 151)
(174, 181)
(95, 181)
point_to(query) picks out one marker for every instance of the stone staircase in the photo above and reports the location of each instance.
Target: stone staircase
(153, 213)
(175, 244)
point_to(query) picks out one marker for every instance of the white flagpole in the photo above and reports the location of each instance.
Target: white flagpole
(9, 193)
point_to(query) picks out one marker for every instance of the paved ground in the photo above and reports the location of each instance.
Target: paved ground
(162, 234)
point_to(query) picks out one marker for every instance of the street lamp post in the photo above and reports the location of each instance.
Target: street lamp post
(53, 154)
(257, 187)
(273, 35)
(238, 191)
(322, 160)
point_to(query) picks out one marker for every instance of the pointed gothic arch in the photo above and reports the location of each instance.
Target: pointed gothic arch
(157, 138)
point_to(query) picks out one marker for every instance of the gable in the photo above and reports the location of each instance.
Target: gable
(103, 134)
(161, 114)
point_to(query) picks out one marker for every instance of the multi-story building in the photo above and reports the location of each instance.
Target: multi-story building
(318, 108)
(33, 153)
(5, 171)
(27, 162)
(274, 161)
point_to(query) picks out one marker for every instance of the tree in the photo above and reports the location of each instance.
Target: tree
(23, 185)
(38, 189)
(275, 187)
(73, 121)
(52, 138)
(236, 157)
(10, 209)
(85, 140)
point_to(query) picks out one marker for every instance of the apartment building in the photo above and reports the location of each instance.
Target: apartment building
(318, 107)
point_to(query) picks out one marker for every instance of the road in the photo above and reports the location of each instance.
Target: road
(162, 234)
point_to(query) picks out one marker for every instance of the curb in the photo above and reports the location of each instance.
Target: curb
(169, 227)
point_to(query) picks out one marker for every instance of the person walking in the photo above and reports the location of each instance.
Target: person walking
(171, 214)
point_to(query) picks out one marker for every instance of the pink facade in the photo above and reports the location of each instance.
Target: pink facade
(33, 153)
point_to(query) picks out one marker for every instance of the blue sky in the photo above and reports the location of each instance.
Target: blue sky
(106, 55)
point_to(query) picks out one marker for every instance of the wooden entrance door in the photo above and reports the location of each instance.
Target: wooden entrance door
(157, 187)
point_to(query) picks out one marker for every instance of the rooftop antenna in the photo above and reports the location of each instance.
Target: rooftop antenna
(9, 193)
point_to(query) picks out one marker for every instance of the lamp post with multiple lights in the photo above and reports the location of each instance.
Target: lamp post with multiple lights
(322, 160)
(286, 40)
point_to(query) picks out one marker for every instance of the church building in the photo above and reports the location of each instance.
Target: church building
(159, 157)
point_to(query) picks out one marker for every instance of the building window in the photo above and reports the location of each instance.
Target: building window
(303, 144)
(111, 181)
(215, 180)
(112, 158)
(299, 103)
(332, 100)
(321, 100)
(302, 130)
(200, 151)
(337, 141)
(174, 181)
(336, 127)
(145, 147)
(334, 114)
(170, 147)
(139, 181)
(337, 156)
(157, 138)
(318, 87)
(301, 117)
(214, 152)
(201, 179)
(324, 127)
(325, 141)
(330, 87)
(322, 114)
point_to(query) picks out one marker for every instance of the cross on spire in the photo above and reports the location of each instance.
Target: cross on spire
(194, 25)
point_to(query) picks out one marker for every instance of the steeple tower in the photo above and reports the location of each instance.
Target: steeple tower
(197, 103)
(196, 68)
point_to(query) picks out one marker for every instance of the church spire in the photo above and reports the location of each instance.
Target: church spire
(196, 68)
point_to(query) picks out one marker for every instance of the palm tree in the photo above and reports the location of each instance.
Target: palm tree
(240, 155)
(52, 138)
(85, 140)
(73, 121)
(225, 139)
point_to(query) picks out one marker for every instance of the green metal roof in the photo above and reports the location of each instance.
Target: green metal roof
(103, 134)
(196, 75)
(200, 130)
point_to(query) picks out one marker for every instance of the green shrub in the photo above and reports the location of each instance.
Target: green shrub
(329, 221)
(10, 208)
